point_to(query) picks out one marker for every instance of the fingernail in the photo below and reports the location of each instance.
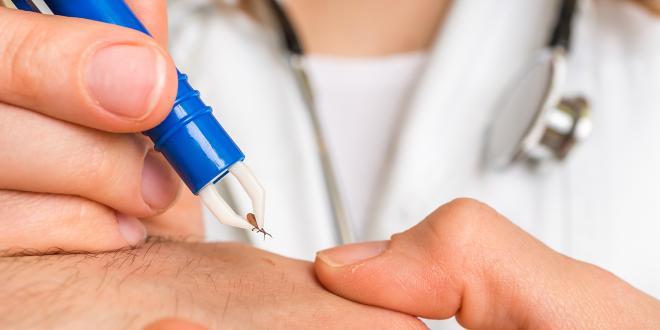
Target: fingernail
(126, 80)
(352, 253)
(159, 186)
(131, 229)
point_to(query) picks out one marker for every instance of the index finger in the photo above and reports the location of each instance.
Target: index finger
(153, 14)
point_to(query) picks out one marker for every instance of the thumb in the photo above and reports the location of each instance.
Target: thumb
(466, 260)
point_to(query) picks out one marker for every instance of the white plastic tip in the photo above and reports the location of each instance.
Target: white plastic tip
(223, 212)
(253, 189)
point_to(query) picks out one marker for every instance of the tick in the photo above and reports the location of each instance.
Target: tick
(253, 221)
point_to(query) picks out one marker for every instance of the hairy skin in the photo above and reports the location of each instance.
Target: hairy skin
(229, 286)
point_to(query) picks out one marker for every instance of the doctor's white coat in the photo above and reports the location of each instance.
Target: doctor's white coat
(602, 205)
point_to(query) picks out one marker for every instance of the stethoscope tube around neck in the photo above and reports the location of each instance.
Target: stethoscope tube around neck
(559, 40)
(343, 227)
(561, 36)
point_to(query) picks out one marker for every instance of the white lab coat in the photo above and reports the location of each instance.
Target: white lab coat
(602, 205)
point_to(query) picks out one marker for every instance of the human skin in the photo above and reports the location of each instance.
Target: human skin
(366, 28)
(46, 205)
(174, 324)
(228, 286)
(371, 28)
(468, 261)
(72, 178)
(72, 93)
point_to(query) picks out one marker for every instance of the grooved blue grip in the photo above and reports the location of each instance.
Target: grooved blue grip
(191, 139)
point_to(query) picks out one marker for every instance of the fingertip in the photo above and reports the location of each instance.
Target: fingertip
(390, 274)
(159, 103)
(183, 221)
(167, 90)
(131, 229)
(131, 81)
(337, 268)
(160, 185)
(351, 254)
(106, 77)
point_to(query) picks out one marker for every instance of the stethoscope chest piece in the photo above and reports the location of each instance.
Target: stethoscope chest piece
(534, 122)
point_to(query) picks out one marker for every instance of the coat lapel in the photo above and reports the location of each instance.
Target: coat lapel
(255, 98)
(481, 47)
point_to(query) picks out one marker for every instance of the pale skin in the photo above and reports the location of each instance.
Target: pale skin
(62, 139)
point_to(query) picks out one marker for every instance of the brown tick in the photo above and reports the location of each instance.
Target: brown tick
(253, 221)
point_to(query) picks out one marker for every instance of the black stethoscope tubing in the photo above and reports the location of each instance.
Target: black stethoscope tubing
(561, 35)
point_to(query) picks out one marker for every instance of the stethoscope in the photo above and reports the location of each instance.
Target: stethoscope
(534, 123)
(551, 124)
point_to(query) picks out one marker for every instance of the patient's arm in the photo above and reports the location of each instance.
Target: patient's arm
(217, 285)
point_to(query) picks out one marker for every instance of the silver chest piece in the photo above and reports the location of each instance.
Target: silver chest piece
(535, 123)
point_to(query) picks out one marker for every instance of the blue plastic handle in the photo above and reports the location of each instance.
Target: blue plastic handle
(26, 5)
(191, 139)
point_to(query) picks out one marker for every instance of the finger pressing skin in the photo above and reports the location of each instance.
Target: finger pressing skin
(465, 260)
(220, 286)
(93, 74)
(153, 15)
(41, 154)
(41, 223)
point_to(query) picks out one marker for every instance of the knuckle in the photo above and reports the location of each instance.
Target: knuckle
(466, 214)
(90, 224)
(459, 216)
(111, 159)
(467, 206)
(21, 45)
(460, 226)
(94, 159)
(81, 211)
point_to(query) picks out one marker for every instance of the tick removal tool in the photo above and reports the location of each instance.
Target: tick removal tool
(191, 138)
